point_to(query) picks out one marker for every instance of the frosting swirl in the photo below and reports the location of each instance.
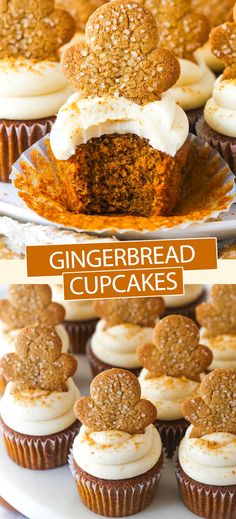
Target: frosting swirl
(117, 345)
(163, 123)
(116, 454)
(79, 310)
(223, 348)
(192, 293)
(167, 393)
(38, 412)
(220, 109)
(210, 459)
(210, 59)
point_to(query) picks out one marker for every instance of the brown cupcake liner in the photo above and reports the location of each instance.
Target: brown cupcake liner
(187, 310)
(193, 117)
(211, 502)
(16, 137)
(39, 452)
(226, 146)
(97, 366)
(80, 332)
(171, 433)
(116, 498)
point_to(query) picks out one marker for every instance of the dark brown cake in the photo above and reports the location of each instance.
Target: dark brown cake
(97, 366)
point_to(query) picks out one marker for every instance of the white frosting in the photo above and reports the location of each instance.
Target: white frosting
(220, 109)
(163, 123)
(8, 338)
(194, 85)
(37, 412)
(117, 345)
(115, 454)
(192, 293)
(75, 310)
(31, 90)
(223, 348)
(210, 59)
(167, 393)
(210, 459)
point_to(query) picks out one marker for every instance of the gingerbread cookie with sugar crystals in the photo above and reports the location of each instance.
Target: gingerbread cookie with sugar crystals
(115, 403)
(121, 55)
(175, 350)
(223, 45)
(214, 410)
(38, 362)
(142, 311)
(28, 304)
(218, 316)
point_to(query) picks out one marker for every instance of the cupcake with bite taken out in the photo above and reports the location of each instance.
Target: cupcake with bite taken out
(116, 458)
(206, 471)
(186, 304)
(36, 413)
(124, 325)
(173, 366)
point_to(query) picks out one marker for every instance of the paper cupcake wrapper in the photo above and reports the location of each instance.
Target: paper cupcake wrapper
(39, 452)
(207, 501)
(79, 332)
(202, 198)
(171, 434)
(225, 147)
(97, 366)
(116, 498)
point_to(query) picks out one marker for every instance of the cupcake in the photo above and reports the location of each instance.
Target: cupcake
(116, 458)
(36, 414)
(218, 325)
(120, 140)
(186, 304)
(28, 304)
(218, 127)
(206, 471)
(173, 366)
(228, 252)
(32, 85)
(124, 325)
(80, 319)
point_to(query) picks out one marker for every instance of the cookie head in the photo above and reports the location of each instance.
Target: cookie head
(143, 311)
(218, 316)
(223, 46)
(175, 350)
(121, 55)
(115, 403)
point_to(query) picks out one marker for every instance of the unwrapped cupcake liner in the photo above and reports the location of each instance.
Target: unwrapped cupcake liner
(193, 116)
(39, 452)
(171, 433)
(79, 332)
(116, 498)
(98, 366)
(16, 137)
(226, 146)
(209, 199)
(211, 502)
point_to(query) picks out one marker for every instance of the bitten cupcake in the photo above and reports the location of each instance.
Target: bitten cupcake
(218, 325)
(80, 319)
(186, 304)
(120, 140)
(124, 325)
(37, 420)
(117, 456)
(32, 85)
(218, 127)
(183, 31)
(28, 304)
(173, 366)
(206, 472)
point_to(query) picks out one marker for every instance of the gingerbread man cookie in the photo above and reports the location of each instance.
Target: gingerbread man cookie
(115, 403)
(38, 362)
(142, 311)
(223, 46)
(175, 351)
(219, 315)
(33, 29)
(214, 410)
(121, 55)
(28, 304)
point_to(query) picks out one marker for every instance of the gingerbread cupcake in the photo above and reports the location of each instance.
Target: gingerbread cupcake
(37, 420)
(117, 456)
(206, 471)
(218, 127)
(174, 364)
(125, 324)
(28, 304)
(120, 140)
(186, 304)
(80, 319)
(218, 325)
(32, 85)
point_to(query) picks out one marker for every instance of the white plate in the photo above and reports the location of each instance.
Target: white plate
(52, 494)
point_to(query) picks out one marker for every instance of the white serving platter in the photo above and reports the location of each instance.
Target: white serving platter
(52, 494)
